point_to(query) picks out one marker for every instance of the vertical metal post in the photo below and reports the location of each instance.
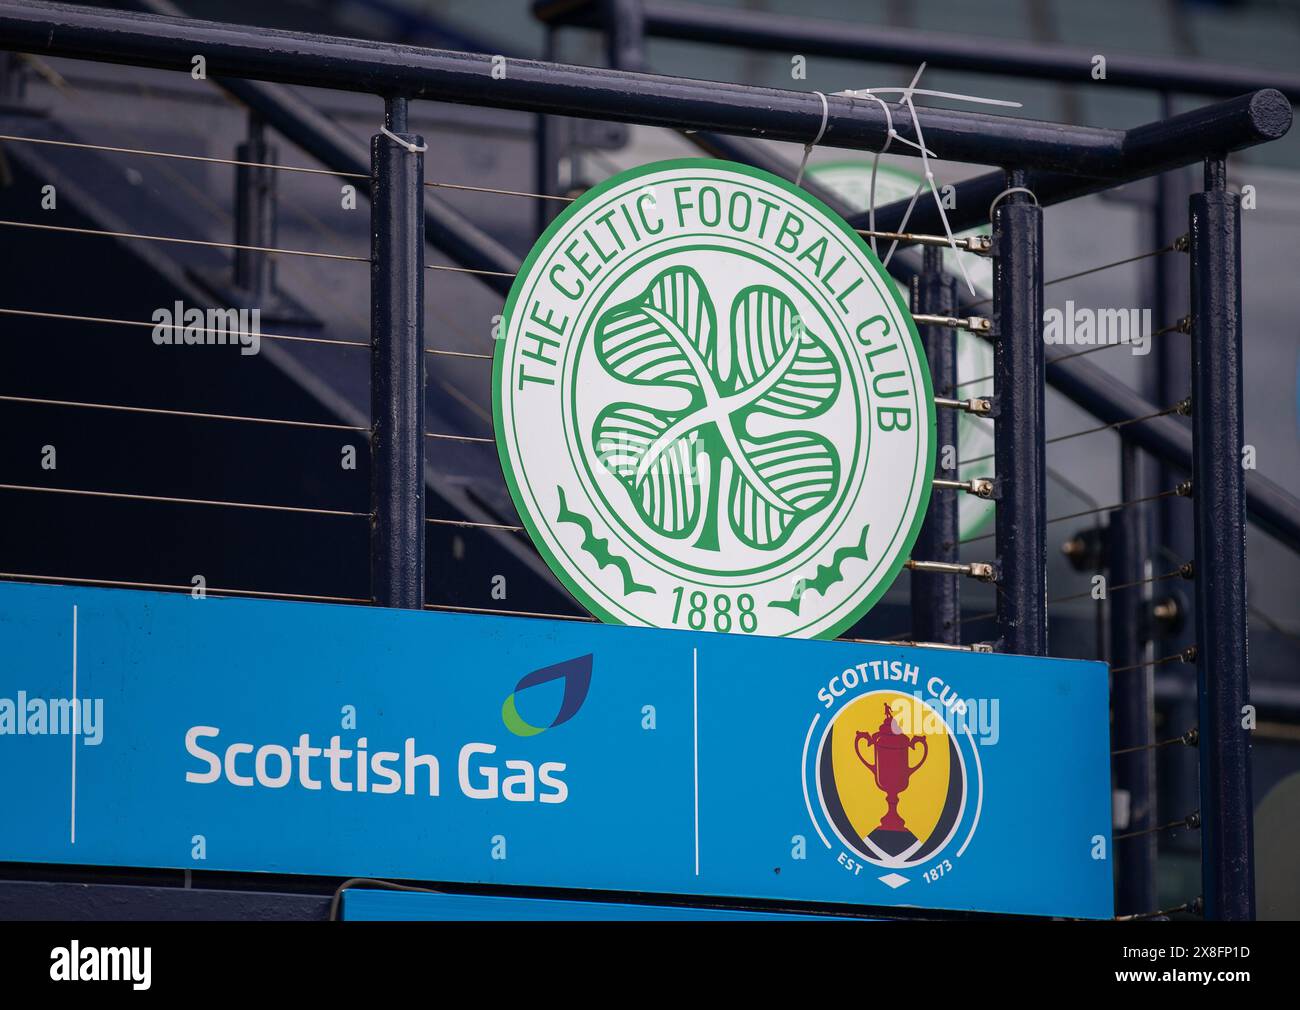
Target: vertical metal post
(1218, 482)
(254, 211)
(1171, 358)
(544, 154)
(936, 602)
(397, 363)
(1132, 694)
(625, 34)
(1172, 534)
(1019, 452)
(11, 79)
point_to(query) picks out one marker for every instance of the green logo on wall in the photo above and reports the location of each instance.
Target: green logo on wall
(712, 409)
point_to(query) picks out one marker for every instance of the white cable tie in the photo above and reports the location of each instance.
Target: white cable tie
(889, 116)
(807, 148)
(1007, 192)
(875, 168)
(906, 99)
(866, 92)
(902, 228)
(934, 191)
(411, 147)
(890, 134)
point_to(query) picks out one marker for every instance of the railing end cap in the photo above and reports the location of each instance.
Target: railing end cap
(1270, 113)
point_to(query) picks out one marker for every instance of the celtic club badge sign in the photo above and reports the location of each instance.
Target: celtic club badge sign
(712, 408)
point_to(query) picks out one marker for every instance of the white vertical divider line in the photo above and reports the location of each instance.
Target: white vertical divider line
(76, 726)
(695, 708)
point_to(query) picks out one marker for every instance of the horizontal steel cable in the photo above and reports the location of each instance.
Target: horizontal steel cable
(463, 523)
(1120, 505)
(1188, 655)
(455, 354)
(1271, 623)
(997, 590)
(73, 580)
(468, 270)
(460, 438)
(164, 499)
(974, 244)
(184, 157)
(1122, 585)
(576, 617)
(499, 192)
(183, 241)
(1177, 408)
(506, 613)
(472, 524)
(68, 317)
(1087, 512)
(972, 382)
(205, 416)
(1182, 326)
(1191, 821)
(167, 412)
(1173, 246)
(1188, 739)
(945, 646)
(1187, 906)
(272, 166)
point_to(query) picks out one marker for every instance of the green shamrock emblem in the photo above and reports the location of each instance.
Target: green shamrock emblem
(682, 469)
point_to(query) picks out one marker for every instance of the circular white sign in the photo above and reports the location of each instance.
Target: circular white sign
(712, 408)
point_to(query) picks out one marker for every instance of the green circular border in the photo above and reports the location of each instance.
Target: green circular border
(797, 193)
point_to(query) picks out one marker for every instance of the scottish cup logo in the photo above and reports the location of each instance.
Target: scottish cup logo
(892, 785)
(711, 407)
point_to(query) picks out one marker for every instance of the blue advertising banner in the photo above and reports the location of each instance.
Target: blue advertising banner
(147, 729)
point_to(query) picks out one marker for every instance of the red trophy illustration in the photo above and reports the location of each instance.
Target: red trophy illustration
(893, 769)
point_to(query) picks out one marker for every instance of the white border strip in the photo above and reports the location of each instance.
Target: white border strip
(76, 727)
(695, 706)
(807, 801)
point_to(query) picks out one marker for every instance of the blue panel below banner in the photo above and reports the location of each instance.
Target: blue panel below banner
(395, 906)
(249, 735)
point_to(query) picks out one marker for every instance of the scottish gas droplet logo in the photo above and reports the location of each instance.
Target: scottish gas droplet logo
(712, 409)
(573, 680)
(892, 785)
